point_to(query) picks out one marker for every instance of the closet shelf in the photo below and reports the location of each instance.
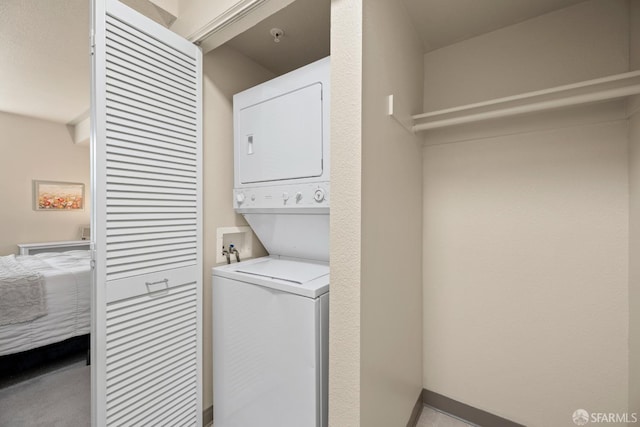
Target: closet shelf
(602, 89)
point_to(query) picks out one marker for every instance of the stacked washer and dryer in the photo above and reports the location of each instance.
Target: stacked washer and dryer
(271, 314)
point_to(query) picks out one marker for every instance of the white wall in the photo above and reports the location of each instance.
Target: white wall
(582, 42)
(37, 149)
(526, 231)
(226, 72)
(391, 263)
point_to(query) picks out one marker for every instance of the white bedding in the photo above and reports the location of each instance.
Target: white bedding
(68, 295)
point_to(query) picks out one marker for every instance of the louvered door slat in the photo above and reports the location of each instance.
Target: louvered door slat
(184, 63)
(139, 152)
(117, 57)
(172, 418)
(118, 117)
(142, 170)
(151, 136)
(173, 334)
(119, 85)
(126, 394)
(143, 58)
(156, 102)
(149, 109)
(161, 121)
(140, 196)
(147, 82)
(148, 56)
(134, 411)
(119, 136)
(153, 91)
(149, 366)
(147, 220)
(153, 201)
(164, 229)
(149, 250)
(155, 191)
(152, 367)
(170, 169)
(152, 243)
(136, 349)
(148, 267)
(150, 182)
(128, 385)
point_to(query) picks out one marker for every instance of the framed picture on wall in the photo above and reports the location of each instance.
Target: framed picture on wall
(57, 196)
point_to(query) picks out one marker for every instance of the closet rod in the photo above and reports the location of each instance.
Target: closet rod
(531, 108)
(602, 89)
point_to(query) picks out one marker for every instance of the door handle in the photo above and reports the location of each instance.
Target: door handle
(160, 291)
(249, 144)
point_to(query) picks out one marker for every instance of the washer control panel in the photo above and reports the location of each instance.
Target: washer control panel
(283, 196)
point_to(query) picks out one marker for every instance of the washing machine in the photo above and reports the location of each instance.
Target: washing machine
(270, 358)
(271, 314)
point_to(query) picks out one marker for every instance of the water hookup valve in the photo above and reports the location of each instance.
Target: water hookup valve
(232, 250)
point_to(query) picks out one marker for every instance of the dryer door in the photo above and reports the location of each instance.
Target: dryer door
(281, 138)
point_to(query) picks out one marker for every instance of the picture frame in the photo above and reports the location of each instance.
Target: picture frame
(56, 196)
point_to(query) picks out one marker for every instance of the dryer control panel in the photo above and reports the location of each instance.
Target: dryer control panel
(299, 196)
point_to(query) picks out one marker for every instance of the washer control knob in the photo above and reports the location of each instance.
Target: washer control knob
(298, 196)
(285, 196)
(240, 198)
(253, 197)
(318, 195)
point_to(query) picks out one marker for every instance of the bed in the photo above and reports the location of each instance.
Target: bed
(67, 294)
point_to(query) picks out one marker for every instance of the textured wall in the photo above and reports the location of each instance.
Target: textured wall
(391, 269)
(37, 149)
(226, 72)
(346, 250)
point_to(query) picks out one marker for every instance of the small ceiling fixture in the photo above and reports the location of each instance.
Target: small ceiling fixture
(277, 34)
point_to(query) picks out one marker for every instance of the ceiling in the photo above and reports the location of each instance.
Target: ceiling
(306, 25)
(45, 54)
(45, 66)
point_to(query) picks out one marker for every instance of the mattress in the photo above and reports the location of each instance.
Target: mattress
(68, 295)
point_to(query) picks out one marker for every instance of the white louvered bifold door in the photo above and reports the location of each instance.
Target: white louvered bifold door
(146, 220)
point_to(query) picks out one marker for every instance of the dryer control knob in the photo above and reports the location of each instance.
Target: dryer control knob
(285, 196)
(298, 196)
(240, 197)
(318, 195)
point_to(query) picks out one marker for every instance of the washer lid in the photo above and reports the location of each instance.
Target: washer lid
(284, 269)
(293, 275)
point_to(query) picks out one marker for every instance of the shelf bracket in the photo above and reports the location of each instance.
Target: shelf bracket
(405, 120)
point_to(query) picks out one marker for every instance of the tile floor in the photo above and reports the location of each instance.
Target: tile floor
(432, 418)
